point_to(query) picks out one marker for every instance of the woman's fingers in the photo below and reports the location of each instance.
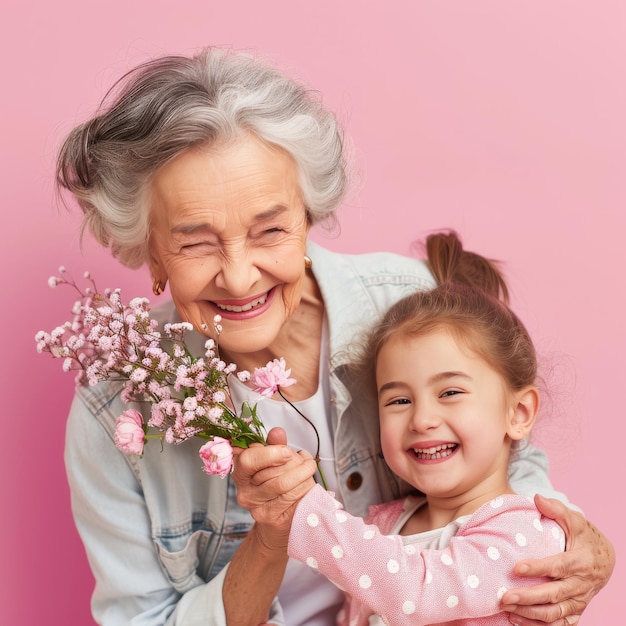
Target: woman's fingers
(276, 436)
(578, 574)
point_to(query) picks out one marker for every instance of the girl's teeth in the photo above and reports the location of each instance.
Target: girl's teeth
(436, 452)
(246, 307)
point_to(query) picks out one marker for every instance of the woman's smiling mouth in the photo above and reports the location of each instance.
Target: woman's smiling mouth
(235, 308)
(243, 309)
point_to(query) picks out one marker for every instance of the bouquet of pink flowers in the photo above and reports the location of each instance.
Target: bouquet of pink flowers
(189, 396)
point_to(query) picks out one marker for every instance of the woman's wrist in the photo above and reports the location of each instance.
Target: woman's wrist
(258, 564)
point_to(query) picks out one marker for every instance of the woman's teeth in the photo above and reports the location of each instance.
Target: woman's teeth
(246, 307)
(436, 452)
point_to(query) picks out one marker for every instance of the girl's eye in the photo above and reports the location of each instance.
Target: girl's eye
(450, 392)
(397, 401)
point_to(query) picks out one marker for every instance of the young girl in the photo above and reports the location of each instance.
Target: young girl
(455, 373)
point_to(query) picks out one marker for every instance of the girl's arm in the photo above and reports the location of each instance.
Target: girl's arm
(579, 573)
(407, 583)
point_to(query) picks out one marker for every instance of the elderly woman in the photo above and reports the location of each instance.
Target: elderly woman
(211, 170)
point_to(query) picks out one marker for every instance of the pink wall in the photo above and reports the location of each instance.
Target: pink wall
(504, 120)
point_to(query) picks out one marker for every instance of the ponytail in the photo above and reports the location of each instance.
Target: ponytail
(449, 262)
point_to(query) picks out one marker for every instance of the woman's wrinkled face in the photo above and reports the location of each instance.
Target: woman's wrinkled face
(229, 231)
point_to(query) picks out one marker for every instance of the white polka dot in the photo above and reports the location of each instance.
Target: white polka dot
(368, 534)
(496, 503)
(408, 608)
(501, 592)
(473, 581)
(446, 559)
(537, 524)
(520, 540)
(409, 549)
(452, 601)
(493, 553)
(365, 581)
(337, 552)
(393, 566)
(312, 520)
(559, 535)
(340, 516)
(429, 577)
(311, 562)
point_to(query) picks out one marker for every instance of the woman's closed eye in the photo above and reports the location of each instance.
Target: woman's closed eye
(199, 247)
(267, 234)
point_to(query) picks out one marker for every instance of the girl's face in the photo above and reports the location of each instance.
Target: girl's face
(445, 417)
(229, 231)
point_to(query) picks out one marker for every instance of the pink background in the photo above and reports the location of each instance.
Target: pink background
(504, 120)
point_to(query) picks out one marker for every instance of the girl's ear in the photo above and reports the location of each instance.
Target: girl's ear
(523, 412)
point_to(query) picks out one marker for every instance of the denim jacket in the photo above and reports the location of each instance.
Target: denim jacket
(159, 533)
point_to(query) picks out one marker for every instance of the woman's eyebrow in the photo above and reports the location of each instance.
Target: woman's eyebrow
(187, 228)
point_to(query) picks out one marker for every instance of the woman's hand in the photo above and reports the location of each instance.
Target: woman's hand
(579, 573)
(270, 481)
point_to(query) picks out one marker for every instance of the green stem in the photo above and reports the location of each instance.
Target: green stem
(317, 435)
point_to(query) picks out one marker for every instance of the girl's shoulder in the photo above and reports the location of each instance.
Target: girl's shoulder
(387, 514)
(512, 514)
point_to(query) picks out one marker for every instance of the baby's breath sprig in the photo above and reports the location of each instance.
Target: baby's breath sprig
(189, 396)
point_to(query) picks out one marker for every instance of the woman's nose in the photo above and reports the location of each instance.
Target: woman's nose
(237, 274)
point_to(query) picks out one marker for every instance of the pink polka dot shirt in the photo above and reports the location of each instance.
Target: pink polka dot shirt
(451, 575)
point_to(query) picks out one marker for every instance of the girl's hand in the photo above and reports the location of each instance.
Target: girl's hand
(270, 482)
(579, 573)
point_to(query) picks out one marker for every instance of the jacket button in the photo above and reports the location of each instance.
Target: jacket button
(354, 481)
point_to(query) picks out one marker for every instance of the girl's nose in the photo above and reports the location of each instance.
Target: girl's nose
(424, 418)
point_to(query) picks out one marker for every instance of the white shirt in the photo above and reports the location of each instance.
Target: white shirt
(305, 596)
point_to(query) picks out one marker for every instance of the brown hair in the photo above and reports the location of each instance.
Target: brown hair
(470, 301)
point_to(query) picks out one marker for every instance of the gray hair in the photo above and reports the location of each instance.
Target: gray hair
(166, 106)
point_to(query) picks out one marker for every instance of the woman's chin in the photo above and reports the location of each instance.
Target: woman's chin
(247, 336)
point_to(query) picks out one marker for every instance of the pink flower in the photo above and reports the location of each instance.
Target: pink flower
(129, 433)
(267, 379)
(217, 456)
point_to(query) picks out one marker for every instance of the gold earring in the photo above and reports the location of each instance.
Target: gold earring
(307, 262)
(157, 287)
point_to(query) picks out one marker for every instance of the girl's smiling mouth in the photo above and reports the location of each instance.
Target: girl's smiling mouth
(435, 453)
